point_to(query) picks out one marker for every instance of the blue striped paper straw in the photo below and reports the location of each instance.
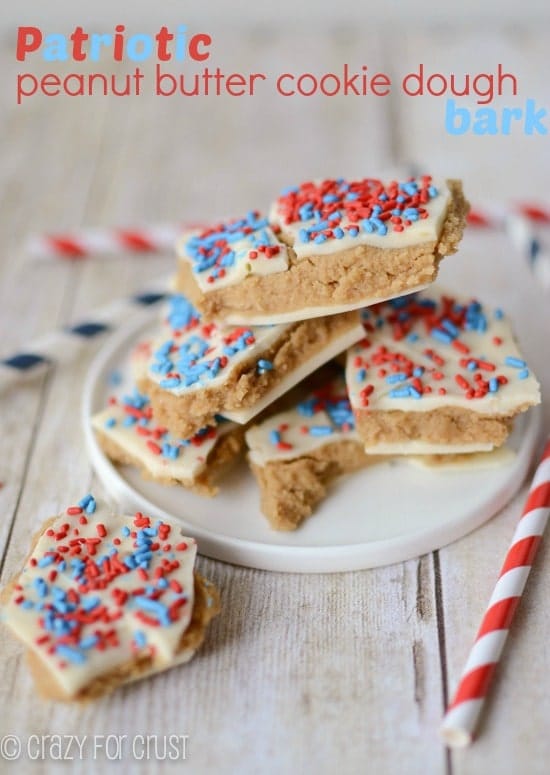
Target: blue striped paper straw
(528, 242)
(63, 345)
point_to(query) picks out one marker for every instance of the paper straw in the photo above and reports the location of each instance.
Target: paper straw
(527, 242)
(63, 345)
(462, 716)
(154, 239)
(494, 216)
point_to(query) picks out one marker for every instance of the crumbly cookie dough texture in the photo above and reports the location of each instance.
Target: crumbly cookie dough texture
(325, 247)
(106, 599)
(296, 454)
(437, 370)
(201, 369)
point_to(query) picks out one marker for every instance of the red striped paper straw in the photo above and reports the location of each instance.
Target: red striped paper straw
(152, 238)
(494, 216)
(462, 716)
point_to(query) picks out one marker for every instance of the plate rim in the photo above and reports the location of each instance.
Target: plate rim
(279, 557)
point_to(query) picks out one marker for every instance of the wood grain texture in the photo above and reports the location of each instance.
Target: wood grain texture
(336, 673)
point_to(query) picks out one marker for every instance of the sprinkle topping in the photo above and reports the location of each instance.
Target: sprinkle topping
(231, 250)
(325, 415)
(336, 210)
(195, 354)
(434, 349)
(129, 422)
(93, 593)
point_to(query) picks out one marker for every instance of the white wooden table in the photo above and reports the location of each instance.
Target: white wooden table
(334, 673)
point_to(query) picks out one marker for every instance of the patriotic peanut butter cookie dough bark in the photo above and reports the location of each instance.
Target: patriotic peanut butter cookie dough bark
(326, 247)
(296, 454)
(201, 369)
(436, 374)
(129, 435)
(106, 599)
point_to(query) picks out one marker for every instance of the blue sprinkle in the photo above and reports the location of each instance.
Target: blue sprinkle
(441, 336)
(83, 502)
(41, 587)
(353, 231)
(413, 337)
(88, 642)
(91, 507)
(391, 379)
(274, 437)
(153, 606)
(450, 327)
(498, 314)
(516, 363)
(27, 604)
(414, 392)
(264, 366)
(110, 422)
(361, 375)
(418, 371)
(320, 430)
(303, 234)
(399, 393)
(125, 530)
(71, 654)
(43, 562)
(338, 232)
(306, 408)
(88, 604)
(493, 385)
(320, 238)
(523, 374)
(170, 382)
(139, 639)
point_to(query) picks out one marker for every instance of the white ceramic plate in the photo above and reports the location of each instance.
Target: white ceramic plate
(389, 513)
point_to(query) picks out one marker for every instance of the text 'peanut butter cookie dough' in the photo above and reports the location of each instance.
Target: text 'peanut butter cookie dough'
(200, 369)
(436, 370)
(326, 247)
(105, 599)
(129, 435)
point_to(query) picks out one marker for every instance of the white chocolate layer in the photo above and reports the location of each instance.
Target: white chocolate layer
(215, 347)
(247, 259)
(333, 348)
(306, 313)
(64, 615)
(424, 230)
(192, 454)
(484, 351)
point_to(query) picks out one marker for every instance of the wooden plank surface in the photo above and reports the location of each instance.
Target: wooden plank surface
(344, 672)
